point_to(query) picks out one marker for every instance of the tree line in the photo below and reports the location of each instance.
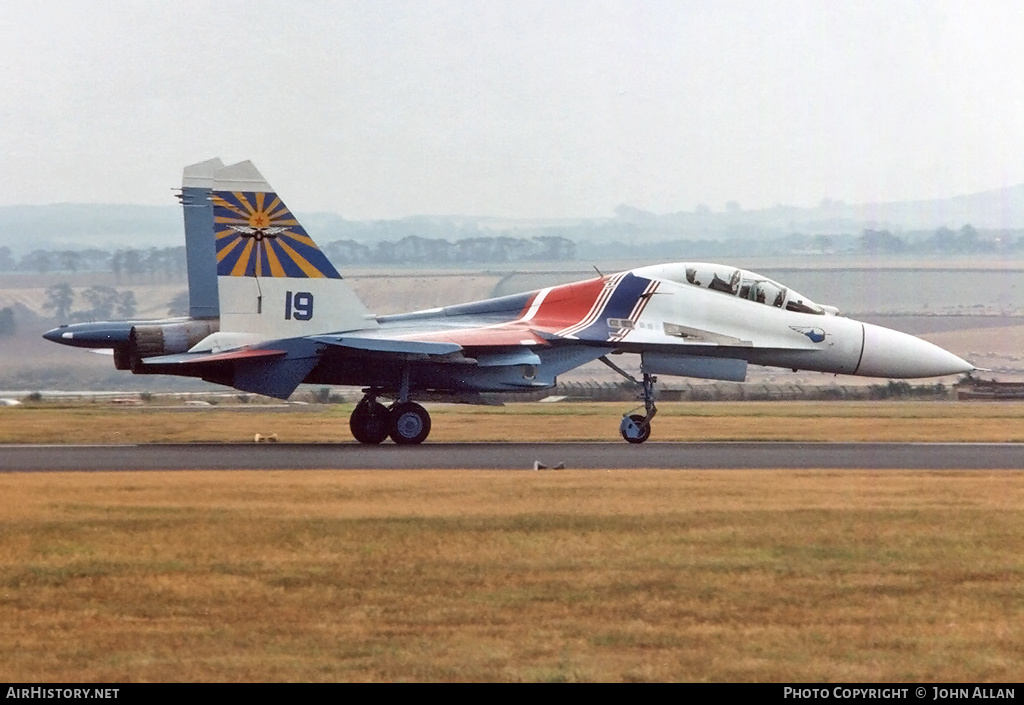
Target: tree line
(966, 240)
(152, 264)
(168, 264)
(474, 250)
(102, 303)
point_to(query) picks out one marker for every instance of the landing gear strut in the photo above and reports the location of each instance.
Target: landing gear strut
(634, 427)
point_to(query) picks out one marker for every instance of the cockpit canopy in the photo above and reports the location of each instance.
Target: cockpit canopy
(738, 282)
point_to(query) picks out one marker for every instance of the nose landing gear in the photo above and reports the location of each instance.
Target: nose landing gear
(634, 427)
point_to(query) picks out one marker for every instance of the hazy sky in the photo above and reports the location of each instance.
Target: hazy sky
(383, 109)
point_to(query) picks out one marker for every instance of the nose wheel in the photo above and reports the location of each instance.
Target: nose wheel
(634, 427)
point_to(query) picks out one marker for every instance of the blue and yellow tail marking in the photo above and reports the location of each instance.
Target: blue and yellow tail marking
(257, 236)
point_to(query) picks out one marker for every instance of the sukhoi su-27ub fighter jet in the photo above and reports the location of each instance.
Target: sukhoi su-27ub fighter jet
(270, 312)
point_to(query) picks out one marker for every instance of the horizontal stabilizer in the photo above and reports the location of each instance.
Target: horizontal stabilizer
(201, 358)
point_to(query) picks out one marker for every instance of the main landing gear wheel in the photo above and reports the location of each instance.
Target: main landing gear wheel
(410, 423)
(634, 429)
(369, 422)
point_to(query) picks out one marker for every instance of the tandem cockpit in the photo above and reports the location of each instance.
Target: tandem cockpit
(740, 283)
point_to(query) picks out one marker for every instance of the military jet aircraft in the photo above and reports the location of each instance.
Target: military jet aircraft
(270, 312)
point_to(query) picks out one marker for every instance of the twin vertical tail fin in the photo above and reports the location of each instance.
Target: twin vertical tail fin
(256, 234)
(196, 188)
(273, 281)
(252, 264)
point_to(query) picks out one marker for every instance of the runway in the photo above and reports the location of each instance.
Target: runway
(513, 456)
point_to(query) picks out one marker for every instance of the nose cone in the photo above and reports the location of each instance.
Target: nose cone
(889, 353)
(56, 335)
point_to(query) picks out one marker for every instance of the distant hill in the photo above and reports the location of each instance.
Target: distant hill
(990, 210)
(81, 226)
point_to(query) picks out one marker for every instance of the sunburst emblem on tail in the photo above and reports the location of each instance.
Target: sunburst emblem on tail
(257, 236)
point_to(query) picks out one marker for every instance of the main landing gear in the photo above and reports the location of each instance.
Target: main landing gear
(370, 421)
(410, 423)
(634, 427)
(406, 422)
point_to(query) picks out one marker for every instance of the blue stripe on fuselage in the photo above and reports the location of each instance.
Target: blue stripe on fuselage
(620, 305)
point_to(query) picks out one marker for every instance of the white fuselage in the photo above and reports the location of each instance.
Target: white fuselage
(720, 324)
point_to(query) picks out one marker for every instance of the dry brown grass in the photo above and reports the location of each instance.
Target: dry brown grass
(783, 421)
(469, 575)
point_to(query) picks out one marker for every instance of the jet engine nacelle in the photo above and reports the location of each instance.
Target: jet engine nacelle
(161, 339)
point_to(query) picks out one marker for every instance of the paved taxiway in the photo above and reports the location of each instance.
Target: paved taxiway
(514, 456)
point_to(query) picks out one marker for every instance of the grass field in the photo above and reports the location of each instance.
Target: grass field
(808, 576)
(779, 421)
(467, 575)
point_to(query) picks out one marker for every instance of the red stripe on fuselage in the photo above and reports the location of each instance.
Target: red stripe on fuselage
(568, 304)
(565, 306)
